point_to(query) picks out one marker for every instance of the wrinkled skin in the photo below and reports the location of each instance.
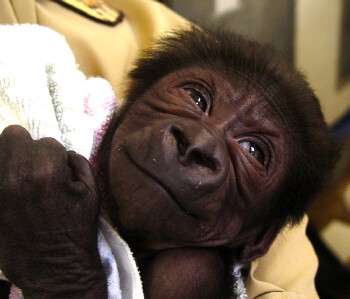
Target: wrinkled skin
(49, 208)
(183, 176)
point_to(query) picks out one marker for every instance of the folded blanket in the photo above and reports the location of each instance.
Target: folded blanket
(42, 89)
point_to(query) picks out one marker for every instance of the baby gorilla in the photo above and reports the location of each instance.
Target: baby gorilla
(219, 145)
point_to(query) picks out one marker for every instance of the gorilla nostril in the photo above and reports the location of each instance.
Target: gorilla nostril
(197, 157)
(181, 141)
(191, 153)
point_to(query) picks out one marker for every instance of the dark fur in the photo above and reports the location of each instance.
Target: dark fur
(314, 151)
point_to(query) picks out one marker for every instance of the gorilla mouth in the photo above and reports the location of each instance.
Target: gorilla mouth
(159, 183)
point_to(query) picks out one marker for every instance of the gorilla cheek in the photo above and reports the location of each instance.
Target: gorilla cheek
(188, 160)
(144, 212)
(176, 170)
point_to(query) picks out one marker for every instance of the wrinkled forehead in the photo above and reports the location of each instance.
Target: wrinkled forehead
(253, 95)
(262, 92)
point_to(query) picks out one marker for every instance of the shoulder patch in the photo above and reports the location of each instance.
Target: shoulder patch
(96, 10)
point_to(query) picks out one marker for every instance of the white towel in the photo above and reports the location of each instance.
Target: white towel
(42, 90)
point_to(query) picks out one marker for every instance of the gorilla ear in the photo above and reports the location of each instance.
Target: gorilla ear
(257, 247)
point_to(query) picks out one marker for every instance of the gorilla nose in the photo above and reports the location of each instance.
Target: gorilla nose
(187, 159)
(200, 153)
(183, 154)
(196, 147)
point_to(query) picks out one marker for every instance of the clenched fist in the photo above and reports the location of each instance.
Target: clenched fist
(49, 208)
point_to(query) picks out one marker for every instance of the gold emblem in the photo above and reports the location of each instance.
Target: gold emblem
(96, 10)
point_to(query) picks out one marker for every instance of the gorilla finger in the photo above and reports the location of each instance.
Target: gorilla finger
(48, 161)
(51, 149)
(14, 135)
(15, 142)
(50, 143)
(81, 170)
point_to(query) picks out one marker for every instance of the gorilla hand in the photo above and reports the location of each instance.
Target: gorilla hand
(49, 209)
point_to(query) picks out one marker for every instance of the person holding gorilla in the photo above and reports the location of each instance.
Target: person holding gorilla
(241, 132)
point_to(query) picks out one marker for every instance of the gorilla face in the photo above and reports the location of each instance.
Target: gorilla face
(196, 161)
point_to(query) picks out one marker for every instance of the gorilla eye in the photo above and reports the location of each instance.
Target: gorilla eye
(254, 150)
(198, 98)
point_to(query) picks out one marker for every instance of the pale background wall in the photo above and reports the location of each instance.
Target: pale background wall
(318, 51)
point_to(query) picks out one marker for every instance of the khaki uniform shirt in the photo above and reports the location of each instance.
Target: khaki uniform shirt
(288, 269)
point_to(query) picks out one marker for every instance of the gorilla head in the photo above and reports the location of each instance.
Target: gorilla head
(220, 144)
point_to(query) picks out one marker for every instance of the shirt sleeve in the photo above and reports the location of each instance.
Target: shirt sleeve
(287, 270)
